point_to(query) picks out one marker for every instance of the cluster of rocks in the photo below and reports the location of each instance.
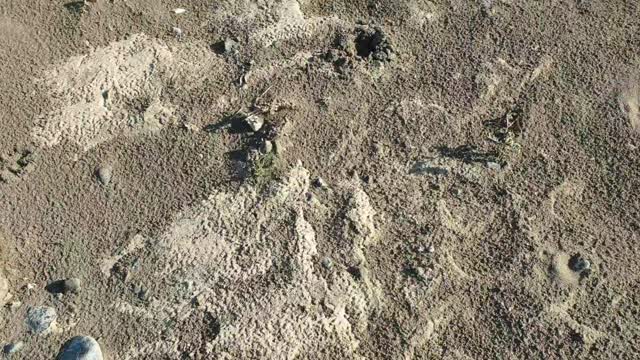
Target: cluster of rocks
(41, 320)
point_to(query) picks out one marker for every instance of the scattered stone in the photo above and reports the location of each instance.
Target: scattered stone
(177, 32)
(14, 305)
(254, 122)
(40, 319)
(494, 166)
(12, 348)
(230, 45)
(320, 183)
(80, 348)
(579, 264)
(72, 285)
(327, 263)
(431, 249)
(456, 192)
(267, 147)
(30, 286)
(200, 300)
(104, 174)
(141, 292)
(67, 286)
(425, 168)
(179, 11)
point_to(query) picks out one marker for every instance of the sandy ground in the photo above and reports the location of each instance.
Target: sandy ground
(434, 179)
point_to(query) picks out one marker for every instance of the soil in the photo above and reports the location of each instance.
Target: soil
(479, 163)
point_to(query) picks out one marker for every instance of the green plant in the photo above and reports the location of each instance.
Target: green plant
(265, 169)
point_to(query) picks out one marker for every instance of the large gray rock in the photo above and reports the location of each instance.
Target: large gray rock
(40, 319)
(80, 348)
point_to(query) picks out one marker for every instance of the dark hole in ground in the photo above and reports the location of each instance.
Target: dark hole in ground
(368, 42)
(355, 272)
(56, 287)
(235, 123)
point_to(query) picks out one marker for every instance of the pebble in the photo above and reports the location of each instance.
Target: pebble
(72, 285)
(179, 11)
(579, 264)
(327, 263)
(229, 45)
(80, 348)
(426, 168)
(12, 348)
(14, 305)
(266, 147)
(39, 319)
(255, 122)
(493, 165)
(320, 183)
(104, 174)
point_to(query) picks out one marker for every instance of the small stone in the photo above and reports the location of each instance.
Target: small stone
(30, 286)
(266, 147)
(254, 122)
(494, 166)
(71, 286)
(431, 249)
(320, 183)
(80, 348)
(12, 348)
(579, 264)
(230, 45)
(426, 168)
(40, 319)
(179, 11)
(104, 174)
(14, 305)
(327, 263)
(177, 32)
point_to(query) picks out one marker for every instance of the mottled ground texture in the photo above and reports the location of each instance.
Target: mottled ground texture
(433, 180)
